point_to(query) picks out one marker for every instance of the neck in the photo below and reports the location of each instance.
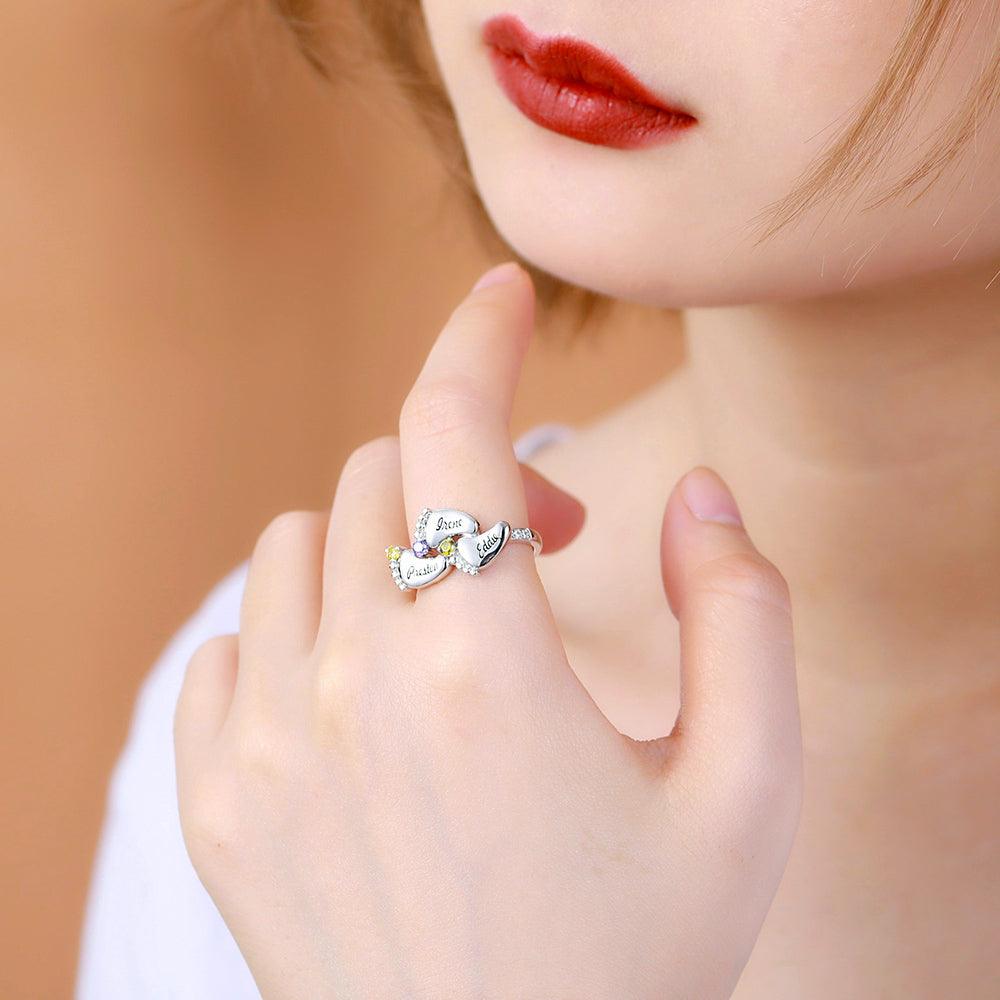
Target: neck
(860, 434)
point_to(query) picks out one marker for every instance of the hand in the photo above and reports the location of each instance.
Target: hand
(410, 794)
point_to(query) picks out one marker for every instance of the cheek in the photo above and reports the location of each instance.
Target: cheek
(824, 51)
(805, 72)
(795, 70)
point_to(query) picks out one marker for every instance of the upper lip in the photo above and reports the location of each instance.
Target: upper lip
(563, 57)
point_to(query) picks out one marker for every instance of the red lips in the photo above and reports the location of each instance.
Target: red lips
(575, 89)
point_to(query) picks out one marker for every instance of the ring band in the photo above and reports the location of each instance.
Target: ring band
(448, 538)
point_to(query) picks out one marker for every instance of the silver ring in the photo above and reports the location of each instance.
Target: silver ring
(447, 538)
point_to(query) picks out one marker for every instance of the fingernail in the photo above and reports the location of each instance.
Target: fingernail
(498, 275)
(708, 498)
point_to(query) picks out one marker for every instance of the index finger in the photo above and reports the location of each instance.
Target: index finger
(454, 435)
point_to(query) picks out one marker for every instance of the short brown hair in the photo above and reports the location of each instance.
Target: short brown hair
(865, 142)
(398, 30)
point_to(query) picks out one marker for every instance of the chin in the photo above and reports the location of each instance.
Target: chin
(674, 261)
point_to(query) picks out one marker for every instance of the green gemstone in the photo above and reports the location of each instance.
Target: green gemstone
(393, 552)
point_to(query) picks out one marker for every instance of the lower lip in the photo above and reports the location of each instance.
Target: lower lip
(582, 111)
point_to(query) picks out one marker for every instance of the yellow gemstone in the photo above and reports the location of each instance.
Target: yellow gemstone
(393, 552)
(446, 547)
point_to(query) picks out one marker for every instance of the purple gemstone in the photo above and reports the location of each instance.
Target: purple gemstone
(421, 548)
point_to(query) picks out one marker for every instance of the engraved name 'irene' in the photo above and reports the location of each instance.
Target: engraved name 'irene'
(450, 525)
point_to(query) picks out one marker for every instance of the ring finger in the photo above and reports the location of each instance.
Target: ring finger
(366, 515)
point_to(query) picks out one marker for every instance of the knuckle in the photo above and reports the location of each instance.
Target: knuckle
(452, 671)
(259, 752)
(285, 530)
(203, 667)
(208, 818)
(201, 675)
(336, 682)
(210, 655)
(340, 710)
(745, 577)
(350, 631)
(376, 453)
(434, 408)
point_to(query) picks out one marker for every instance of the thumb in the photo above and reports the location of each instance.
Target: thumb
(555, 514)
(739, 703)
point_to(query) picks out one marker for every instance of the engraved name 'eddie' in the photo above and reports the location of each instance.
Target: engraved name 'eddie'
(486, 543)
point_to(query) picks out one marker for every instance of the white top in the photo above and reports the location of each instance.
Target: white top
(151, 930)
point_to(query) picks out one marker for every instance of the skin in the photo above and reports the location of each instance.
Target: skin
(855, 415)
(382, 805)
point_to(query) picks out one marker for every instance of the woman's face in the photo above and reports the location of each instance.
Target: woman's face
(769, 82)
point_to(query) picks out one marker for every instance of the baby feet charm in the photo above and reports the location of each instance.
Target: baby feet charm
(412, 571)
(434, 526)
(446, 538)
(473, 552)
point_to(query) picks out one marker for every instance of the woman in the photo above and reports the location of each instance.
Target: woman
(474, 786)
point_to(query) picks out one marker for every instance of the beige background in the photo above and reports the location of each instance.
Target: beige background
(218, 275)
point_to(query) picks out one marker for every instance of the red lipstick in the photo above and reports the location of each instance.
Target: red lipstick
(575, 89)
